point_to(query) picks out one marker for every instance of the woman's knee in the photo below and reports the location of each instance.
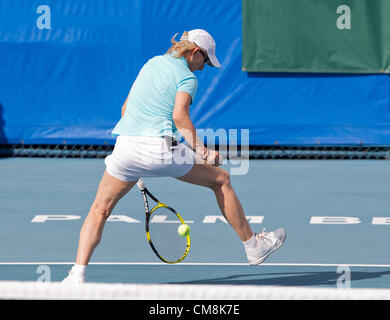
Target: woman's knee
(101, 209)
(110, 191)
(221, 180)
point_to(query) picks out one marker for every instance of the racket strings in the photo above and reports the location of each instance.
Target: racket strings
(168, 243)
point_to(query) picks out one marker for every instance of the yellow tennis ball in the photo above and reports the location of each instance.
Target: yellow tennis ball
(183, 230)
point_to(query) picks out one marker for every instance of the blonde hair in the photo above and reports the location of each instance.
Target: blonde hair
(180, 48)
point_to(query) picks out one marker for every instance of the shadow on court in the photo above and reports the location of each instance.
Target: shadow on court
(324, 278)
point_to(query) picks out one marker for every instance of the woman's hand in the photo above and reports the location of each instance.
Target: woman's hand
(213, 157)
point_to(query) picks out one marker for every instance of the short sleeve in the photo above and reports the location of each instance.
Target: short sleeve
(189, 85)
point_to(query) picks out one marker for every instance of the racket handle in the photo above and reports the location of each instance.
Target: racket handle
(140, 184)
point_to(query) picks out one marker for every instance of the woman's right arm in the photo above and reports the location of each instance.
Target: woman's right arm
(124, 106)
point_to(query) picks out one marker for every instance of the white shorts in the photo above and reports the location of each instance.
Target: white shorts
(135, 157)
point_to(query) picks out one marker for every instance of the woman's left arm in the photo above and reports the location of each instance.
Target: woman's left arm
(183, 123)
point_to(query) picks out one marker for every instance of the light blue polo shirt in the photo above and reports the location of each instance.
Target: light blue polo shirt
(152, 97)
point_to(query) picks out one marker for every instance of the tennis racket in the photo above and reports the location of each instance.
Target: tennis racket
(161, 224)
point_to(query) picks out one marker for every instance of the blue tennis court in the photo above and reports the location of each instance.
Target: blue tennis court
(336, 213)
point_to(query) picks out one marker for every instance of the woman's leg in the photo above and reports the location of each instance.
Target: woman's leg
(219, 181)
(110, 191)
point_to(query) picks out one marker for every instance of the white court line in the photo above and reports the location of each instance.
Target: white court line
(206, 264)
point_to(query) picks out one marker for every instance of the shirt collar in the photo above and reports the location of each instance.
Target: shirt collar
(182, 59)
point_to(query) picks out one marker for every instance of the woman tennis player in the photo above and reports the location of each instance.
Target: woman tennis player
(158, 106)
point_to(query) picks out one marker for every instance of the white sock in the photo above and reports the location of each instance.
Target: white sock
(251, 243)
(79, 269)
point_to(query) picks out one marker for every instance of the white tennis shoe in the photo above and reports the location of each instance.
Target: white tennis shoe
(267, 242)
(74, 278)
